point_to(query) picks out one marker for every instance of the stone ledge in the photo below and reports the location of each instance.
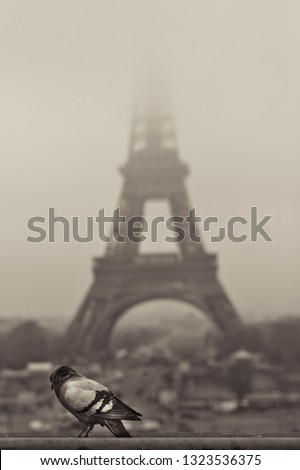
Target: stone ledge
(173, 442)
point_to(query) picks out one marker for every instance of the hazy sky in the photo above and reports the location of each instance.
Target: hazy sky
(67, 75)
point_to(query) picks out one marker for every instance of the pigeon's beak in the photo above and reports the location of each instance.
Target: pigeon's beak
(52, 387)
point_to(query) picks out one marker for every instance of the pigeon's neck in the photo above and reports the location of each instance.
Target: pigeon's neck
(60, 381)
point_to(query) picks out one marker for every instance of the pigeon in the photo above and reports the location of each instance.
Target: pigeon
(90, 402)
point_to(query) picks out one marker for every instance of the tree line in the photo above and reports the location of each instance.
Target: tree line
(277, 340)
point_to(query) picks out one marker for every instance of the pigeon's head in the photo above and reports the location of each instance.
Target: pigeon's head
(61, 374)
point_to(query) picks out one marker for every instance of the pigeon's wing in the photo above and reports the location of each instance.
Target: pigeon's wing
(91, 400)
(89, 384)
(111, 407)
(79, 396)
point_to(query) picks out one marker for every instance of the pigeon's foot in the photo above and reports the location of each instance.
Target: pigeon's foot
(86, 430)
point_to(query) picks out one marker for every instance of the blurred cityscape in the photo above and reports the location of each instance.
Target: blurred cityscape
(181, 381)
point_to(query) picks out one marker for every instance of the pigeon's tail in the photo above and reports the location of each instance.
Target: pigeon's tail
(117, 428)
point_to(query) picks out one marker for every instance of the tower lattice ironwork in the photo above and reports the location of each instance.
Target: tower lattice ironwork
(124, 277)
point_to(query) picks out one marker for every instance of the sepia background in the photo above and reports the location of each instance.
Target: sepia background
(68, 74)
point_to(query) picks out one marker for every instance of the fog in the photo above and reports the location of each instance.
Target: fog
(68, 72)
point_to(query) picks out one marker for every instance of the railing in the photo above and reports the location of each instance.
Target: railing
(158, 441)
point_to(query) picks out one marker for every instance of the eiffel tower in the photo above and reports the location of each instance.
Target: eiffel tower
(123, 277)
